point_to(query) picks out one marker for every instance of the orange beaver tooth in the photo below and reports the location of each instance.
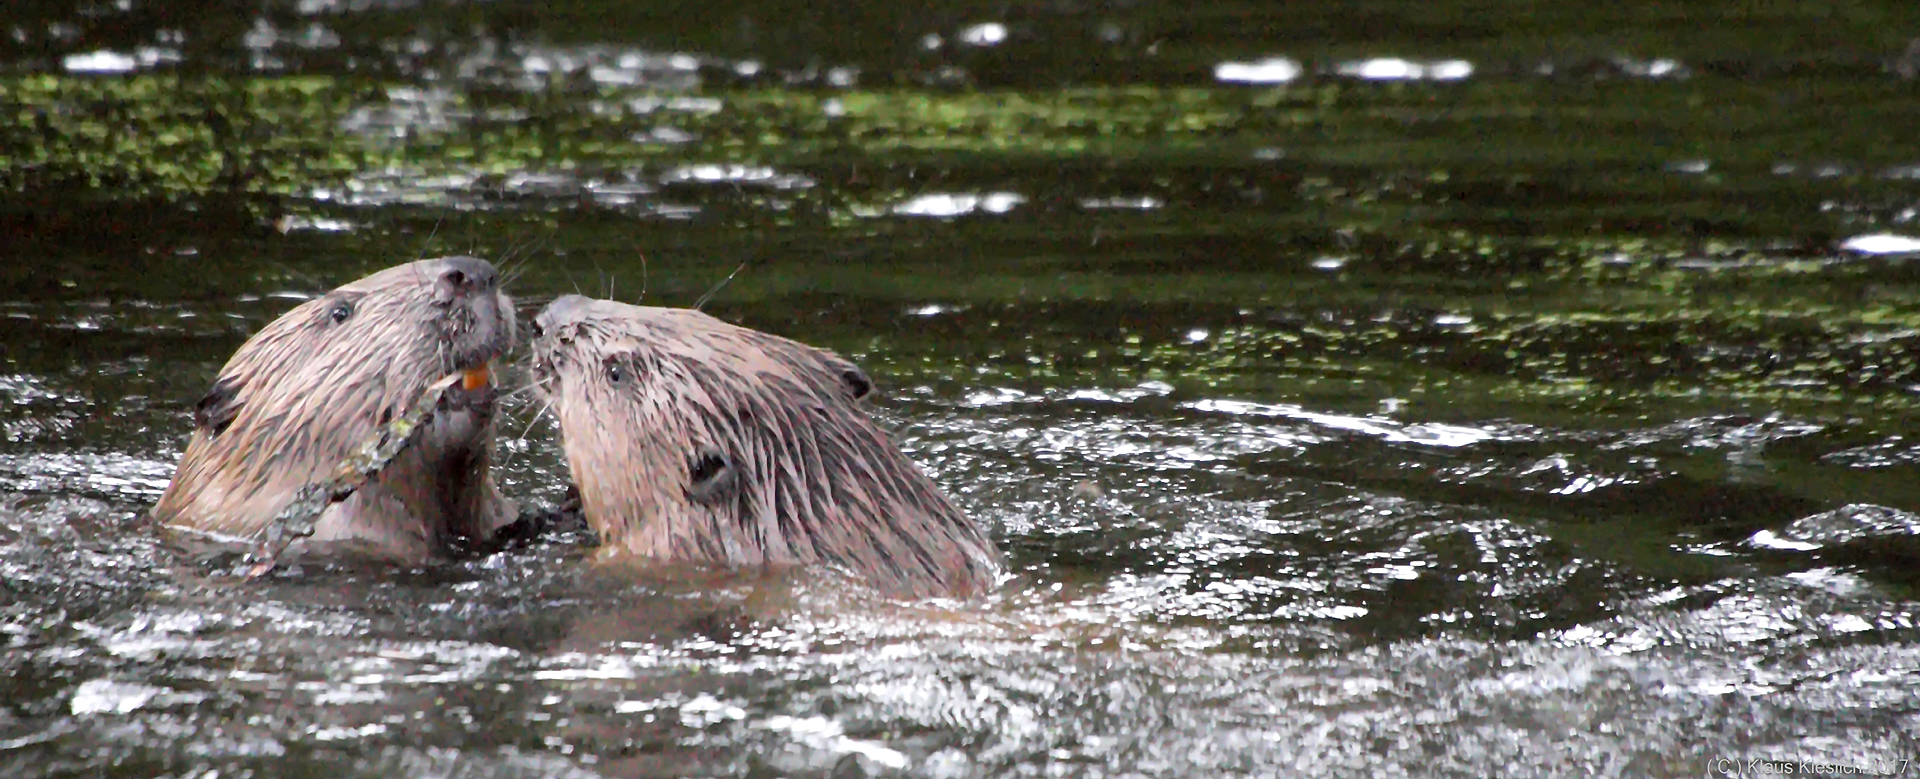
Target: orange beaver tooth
(475, 378)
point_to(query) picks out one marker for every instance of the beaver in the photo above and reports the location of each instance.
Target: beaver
(308, 390)
(695, 440)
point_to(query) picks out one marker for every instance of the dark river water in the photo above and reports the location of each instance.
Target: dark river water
(1455, 389)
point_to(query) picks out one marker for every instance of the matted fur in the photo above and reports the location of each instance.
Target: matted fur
(312, 386)
(693, 439)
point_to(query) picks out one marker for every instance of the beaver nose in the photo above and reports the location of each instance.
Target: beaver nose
(563, 309)
(468, 273)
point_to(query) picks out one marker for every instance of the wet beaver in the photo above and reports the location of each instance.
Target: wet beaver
(309, 389)
(693, 439)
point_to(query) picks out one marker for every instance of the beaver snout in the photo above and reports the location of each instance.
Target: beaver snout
(479, 319)
(464, 277)
(563, 309)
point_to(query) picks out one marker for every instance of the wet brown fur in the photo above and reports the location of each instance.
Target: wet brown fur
(697, 440)
(307, 391)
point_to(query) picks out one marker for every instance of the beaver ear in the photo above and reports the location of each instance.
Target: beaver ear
(856, 381)
(712, 477)
(218, 408)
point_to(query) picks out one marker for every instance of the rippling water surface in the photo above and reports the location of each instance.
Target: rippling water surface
(1362, 389)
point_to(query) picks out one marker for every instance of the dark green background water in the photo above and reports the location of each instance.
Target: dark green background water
(1555, 417)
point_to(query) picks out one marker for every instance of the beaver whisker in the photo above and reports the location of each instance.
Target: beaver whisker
(643, 278)
(427, 245)
(519, 442)
(600, 274)
(530, 387)
(722, 285)
(514, 271)
(517, 255)
(532, 303)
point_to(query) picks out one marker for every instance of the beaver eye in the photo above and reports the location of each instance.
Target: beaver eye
(616, 372)
(706, 465)
(340, 311)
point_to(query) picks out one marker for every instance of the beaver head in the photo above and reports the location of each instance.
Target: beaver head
(310, 388)
(693, 439)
